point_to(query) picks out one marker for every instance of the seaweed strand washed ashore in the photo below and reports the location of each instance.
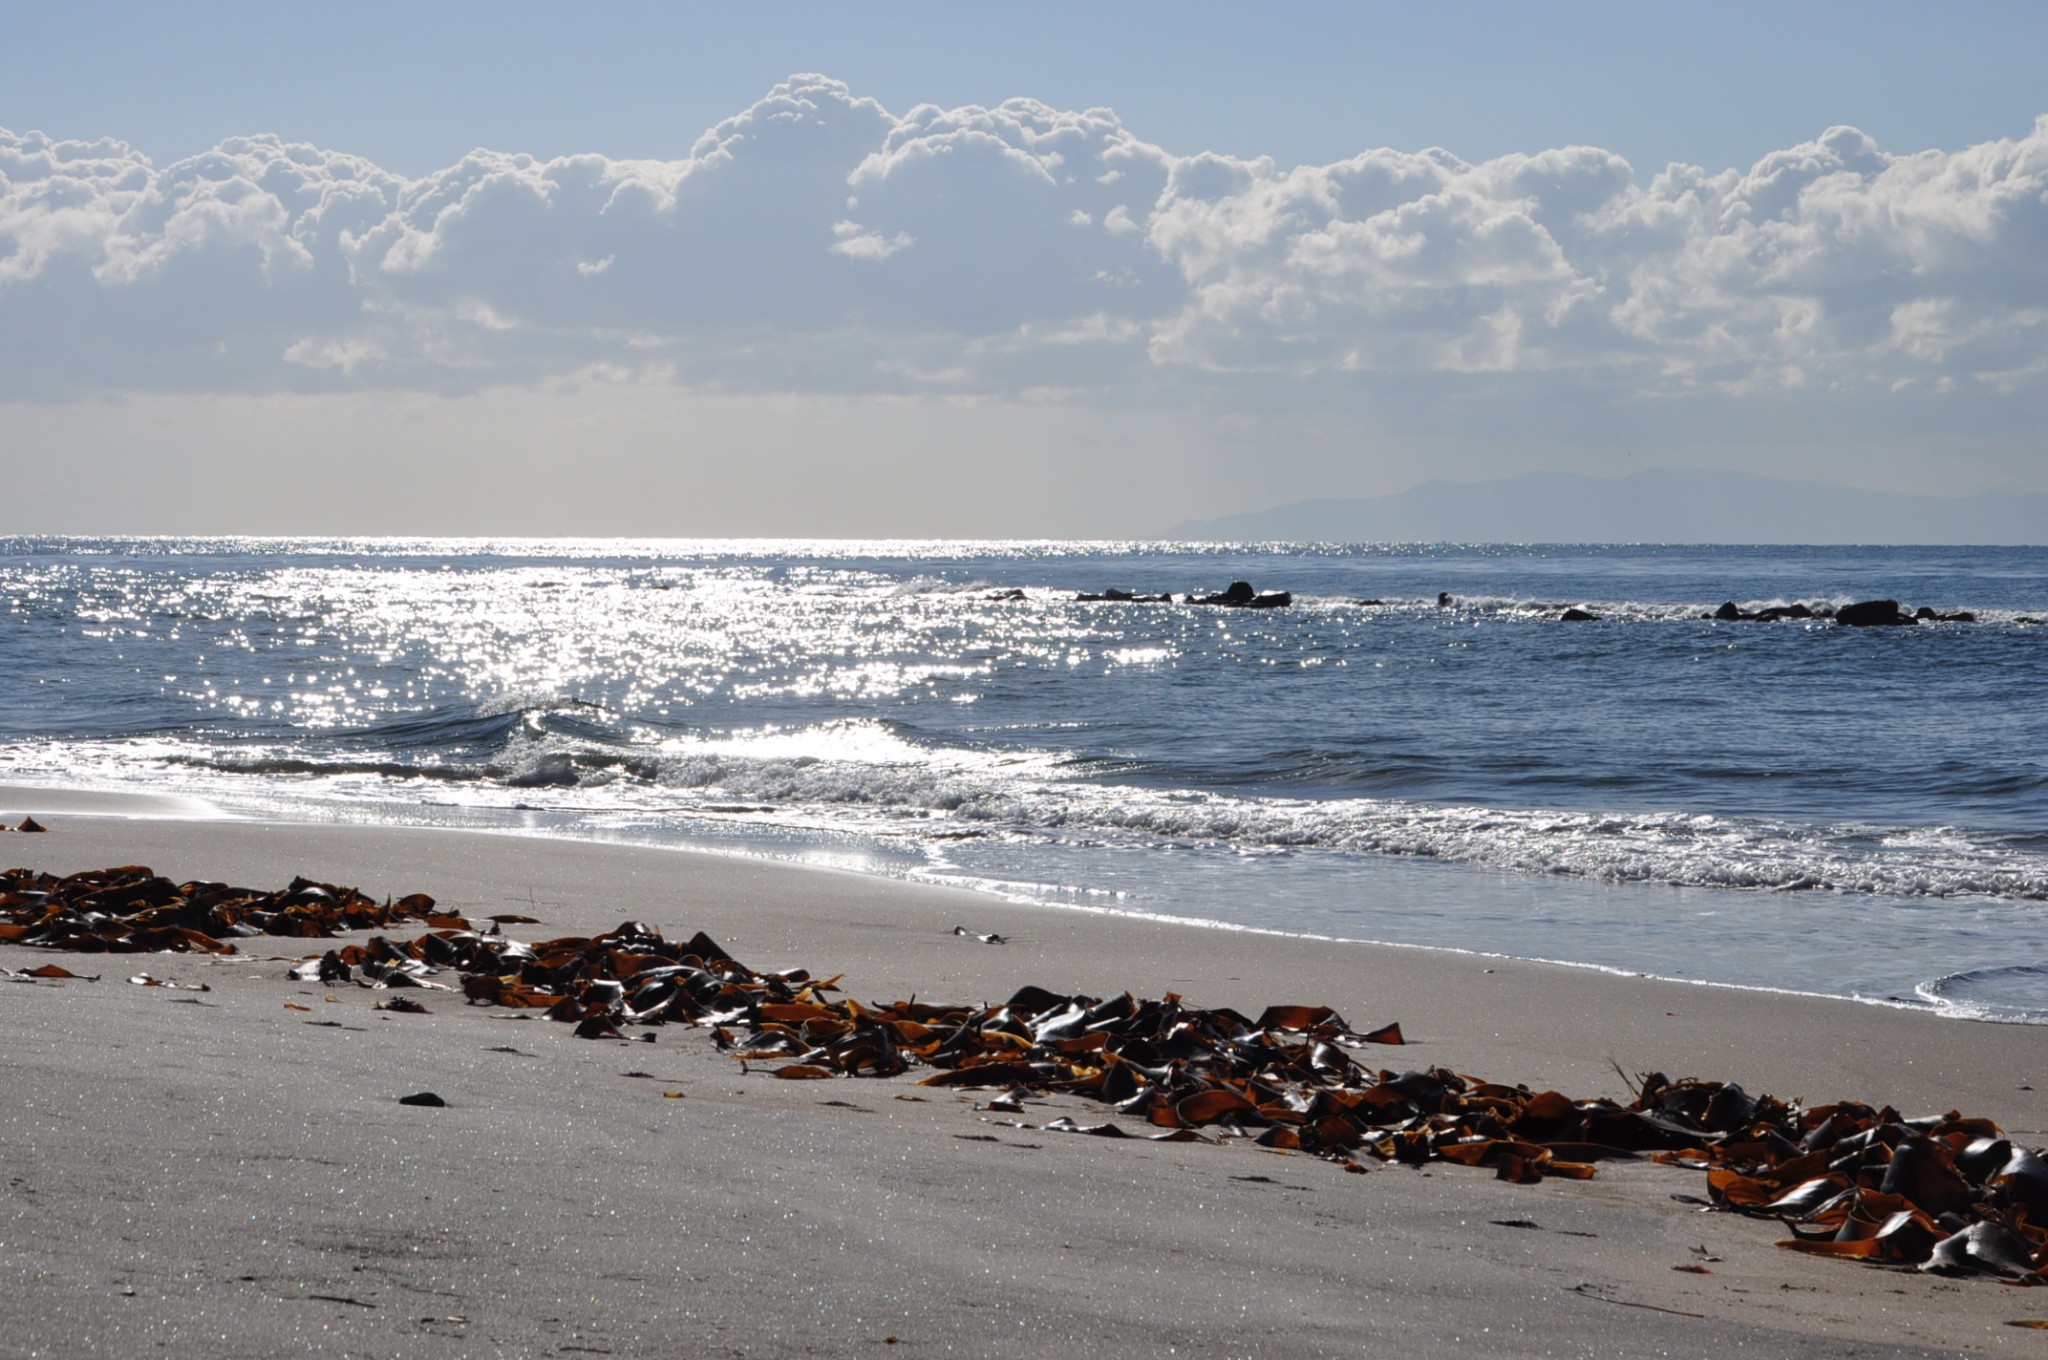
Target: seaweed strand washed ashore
(130, 910)
(1948, 1193)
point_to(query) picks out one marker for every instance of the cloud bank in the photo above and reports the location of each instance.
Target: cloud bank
(816, 242)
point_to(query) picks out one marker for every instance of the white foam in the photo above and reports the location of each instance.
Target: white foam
(2012, 993)
(865, 777)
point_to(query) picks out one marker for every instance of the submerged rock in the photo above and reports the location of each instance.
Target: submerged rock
(1120, 596)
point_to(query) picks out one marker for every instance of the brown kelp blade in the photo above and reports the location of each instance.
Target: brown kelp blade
(987, 1074)
(1296, 1017)
(1213, 1107)
(52, 970)
(1806, 1197)
(1983, 1245)
(1867, 1249)
(1104, 1130)
(2024, 1180)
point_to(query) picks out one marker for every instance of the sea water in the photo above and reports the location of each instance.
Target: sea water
(1418, 749)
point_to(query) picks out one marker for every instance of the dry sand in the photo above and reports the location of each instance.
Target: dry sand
(219, 1174)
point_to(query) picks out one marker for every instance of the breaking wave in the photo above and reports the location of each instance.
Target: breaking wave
(2016, 993)
(868, 777)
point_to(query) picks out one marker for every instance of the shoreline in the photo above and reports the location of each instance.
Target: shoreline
(770, 1216)
(152, 806)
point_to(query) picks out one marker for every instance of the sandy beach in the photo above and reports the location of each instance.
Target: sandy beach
(228, 1172)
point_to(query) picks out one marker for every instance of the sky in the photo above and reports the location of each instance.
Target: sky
(979, 271)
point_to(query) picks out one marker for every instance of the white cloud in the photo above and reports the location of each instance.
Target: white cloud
(346, 355)
(858, 244)
(1836, 257)
(1012, 248)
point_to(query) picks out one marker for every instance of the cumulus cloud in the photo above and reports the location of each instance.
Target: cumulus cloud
(200, 275)
(1835, 260)
(816, 241)
(1387, 260)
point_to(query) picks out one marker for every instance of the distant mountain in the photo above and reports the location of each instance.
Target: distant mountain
(1657, 505)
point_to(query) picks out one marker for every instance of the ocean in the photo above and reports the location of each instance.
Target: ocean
(1419, 749)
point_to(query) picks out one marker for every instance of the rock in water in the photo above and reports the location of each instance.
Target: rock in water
(1872, 614)
(1241, 595)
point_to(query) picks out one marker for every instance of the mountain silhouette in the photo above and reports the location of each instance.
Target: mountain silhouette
(1656, 505)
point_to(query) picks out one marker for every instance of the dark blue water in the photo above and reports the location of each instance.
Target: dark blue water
(898, 707)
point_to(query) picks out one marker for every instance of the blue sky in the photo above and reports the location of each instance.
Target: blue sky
(837, 317)
(415, 85)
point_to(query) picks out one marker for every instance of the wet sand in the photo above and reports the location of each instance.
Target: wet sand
(220, 1173)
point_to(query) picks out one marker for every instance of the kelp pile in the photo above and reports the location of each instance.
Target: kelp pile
(1949, 1194)
(129, 910)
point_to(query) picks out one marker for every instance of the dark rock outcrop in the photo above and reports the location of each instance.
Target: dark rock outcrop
(1873, 614)
(1576, 615)
(1240, 595)
(1733, 613)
